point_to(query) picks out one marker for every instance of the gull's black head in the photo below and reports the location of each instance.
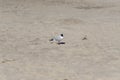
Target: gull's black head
(61, 35)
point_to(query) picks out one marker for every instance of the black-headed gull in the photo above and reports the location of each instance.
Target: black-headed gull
(57, 38)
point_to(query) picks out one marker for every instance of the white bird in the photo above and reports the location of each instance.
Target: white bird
(57, 38)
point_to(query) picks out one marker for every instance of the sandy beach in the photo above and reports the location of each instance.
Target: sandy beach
(91, 31)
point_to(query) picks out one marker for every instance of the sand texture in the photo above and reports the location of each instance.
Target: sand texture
(91, 31)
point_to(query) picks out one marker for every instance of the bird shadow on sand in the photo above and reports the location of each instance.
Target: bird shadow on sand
(59, 43)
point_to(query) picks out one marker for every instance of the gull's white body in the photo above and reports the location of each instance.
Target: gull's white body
(57, 38)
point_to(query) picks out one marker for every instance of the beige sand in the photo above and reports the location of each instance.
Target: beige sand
(92, 35)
